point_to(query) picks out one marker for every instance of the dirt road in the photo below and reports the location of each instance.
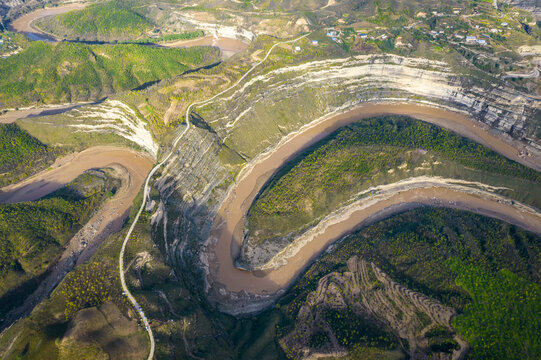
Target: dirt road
(226, 235)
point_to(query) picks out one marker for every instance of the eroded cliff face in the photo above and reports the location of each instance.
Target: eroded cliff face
(235, 130)
(534, 6)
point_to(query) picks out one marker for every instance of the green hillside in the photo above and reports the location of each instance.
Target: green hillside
(372, 152)
(20, 153)
(29, 246)
(106, 21)
(487, 270)
(67, 72)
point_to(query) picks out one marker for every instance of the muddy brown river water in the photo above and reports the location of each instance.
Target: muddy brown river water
(226, 234)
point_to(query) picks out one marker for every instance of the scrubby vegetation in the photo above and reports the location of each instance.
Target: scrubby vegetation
(173, 37)
(104, 21)
(32, 234)
(484, 268)
(368, 153)
(92, 285)
(502, 320)
(21, 154)
(12, 43)
(67, 72)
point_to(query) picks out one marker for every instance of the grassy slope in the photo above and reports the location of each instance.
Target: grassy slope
(20, 153)
(66, 72)
(105, 21)
(361, 155)
(12, 42)
(486, 269)
(32, 234)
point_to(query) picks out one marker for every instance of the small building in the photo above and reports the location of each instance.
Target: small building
(332, 33)
(504, 24)
(334, 39)
(471, 39)
(297, 48)
(383, 37)
(481, 42)
(315, 42)
(363, 36)
(1, 42)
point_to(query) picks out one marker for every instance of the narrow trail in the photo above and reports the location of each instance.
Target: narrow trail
(146, 192)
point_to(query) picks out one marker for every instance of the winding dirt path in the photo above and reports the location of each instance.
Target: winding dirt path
(226, 234)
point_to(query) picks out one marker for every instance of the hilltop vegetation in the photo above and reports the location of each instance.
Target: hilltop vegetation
(21, 154)
(32, 234)
(369, 153)
(67, 72)
(484, 268)
(12, 43)
(112, 20)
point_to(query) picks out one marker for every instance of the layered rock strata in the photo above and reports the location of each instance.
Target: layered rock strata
(235, 130)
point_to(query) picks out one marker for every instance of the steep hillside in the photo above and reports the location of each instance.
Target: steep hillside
(69, 72)
(113, 20)
(21, 154)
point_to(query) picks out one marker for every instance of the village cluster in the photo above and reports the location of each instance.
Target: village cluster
(455, 25)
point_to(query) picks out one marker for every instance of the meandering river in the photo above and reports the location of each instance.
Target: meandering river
(227, 232)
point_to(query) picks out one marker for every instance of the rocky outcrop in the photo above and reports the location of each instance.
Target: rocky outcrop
(534, 6)
(255, 116)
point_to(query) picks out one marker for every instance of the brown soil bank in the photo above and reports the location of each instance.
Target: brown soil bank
(226, 235)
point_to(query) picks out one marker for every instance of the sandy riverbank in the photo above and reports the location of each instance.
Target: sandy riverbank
(226, 235)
